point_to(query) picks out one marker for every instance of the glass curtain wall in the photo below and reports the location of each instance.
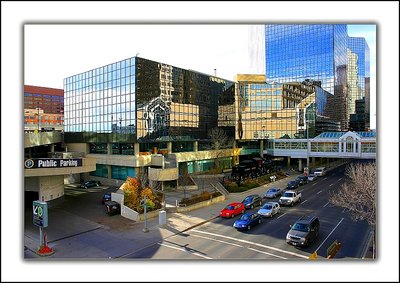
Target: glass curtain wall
(102, 100)
(180, 105)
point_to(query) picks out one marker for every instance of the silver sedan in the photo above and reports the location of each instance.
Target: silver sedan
(269, 209)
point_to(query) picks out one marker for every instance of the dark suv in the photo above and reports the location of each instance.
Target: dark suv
(291, 185)
(90, 184)
(302, 180)
(304, 231)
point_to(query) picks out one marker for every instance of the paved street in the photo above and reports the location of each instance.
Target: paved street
(79, 228)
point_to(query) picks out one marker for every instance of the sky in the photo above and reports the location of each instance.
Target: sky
(54, 52)
(85, 49)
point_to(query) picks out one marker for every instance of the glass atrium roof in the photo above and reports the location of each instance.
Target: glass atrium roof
(336, 135)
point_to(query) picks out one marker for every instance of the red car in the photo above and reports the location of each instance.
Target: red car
(232, 209)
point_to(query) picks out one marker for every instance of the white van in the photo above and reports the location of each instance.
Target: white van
(320, 171)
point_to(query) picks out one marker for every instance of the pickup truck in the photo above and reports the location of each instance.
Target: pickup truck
(290, 198)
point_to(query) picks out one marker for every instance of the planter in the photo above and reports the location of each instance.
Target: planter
(200, 204)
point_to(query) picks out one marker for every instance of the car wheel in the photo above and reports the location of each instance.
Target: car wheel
(259, 221)
(299, 199)
(233, 215)
(252, 206)
(291, 203)
(260, 203)
(242, 211)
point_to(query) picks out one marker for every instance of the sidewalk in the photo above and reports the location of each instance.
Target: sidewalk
(77, 237)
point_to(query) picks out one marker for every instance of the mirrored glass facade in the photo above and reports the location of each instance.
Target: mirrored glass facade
(141, 100)
(273, 111)
(295, 53)
(102, 100)
(359, 47)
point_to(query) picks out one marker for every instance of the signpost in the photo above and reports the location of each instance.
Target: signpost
(40, 219)
(143, 203)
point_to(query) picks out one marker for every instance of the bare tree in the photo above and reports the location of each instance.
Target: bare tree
(219, 141)
(358, 194)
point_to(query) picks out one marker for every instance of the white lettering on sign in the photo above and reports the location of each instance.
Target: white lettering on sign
(38, 210)
(67, 163)
(47, 163)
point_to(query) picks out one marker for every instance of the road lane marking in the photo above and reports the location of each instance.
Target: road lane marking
(182, 249)
(236, 245)
(330, 185)
(313, 185)
(267, 253)
(340, 179)
(281, 215)
(329, 234)
(319, 192)
(212, 239)
(326, 204)
(325, 178)
(304, 201)
(251, 243)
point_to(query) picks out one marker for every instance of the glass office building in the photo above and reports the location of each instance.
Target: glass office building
(138, 100)
(280, 110)
(359, 47)
(295, 53)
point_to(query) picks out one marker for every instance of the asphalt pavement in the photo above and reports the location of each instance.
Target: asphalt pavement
(78, 231)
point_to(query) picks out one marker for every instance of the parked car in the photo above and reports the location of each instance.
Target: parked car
(293, 185)
(232, 209)
(302, 180)
(304, 231)
(106, 197)
(269, 209)
(90, 184)
(251, 201)
(321, 171)
(247, 220)
(112, 208)
(273, 193)
(312, 177)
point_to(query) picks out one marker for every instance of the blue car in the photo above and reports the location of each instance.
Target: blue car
(247, 221)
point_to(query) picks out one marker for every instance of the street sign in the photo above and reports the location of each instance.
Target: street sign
(40, 215)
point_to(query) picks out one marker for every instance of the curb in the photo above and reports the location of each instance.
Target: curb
(198, 224)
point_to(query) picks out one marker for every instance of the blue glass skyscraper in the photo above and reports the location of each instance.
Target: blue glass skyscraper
(296, 53)
(359, 46)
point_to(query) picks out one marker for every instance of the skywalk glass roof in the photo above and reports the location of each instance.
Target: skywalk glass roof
(330, 135)
(336, 135)
(367, 134)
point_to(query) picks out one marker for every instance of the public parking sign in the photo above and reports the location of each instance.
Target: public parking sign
(40, 216)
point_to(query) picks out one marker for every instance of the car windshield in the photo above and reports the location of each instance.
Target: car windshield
(300, 227)
(288, 195)
(229, 207)
(267, 206)
(272, 190)
(248, 199)
(292, 183)
(245, 217)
